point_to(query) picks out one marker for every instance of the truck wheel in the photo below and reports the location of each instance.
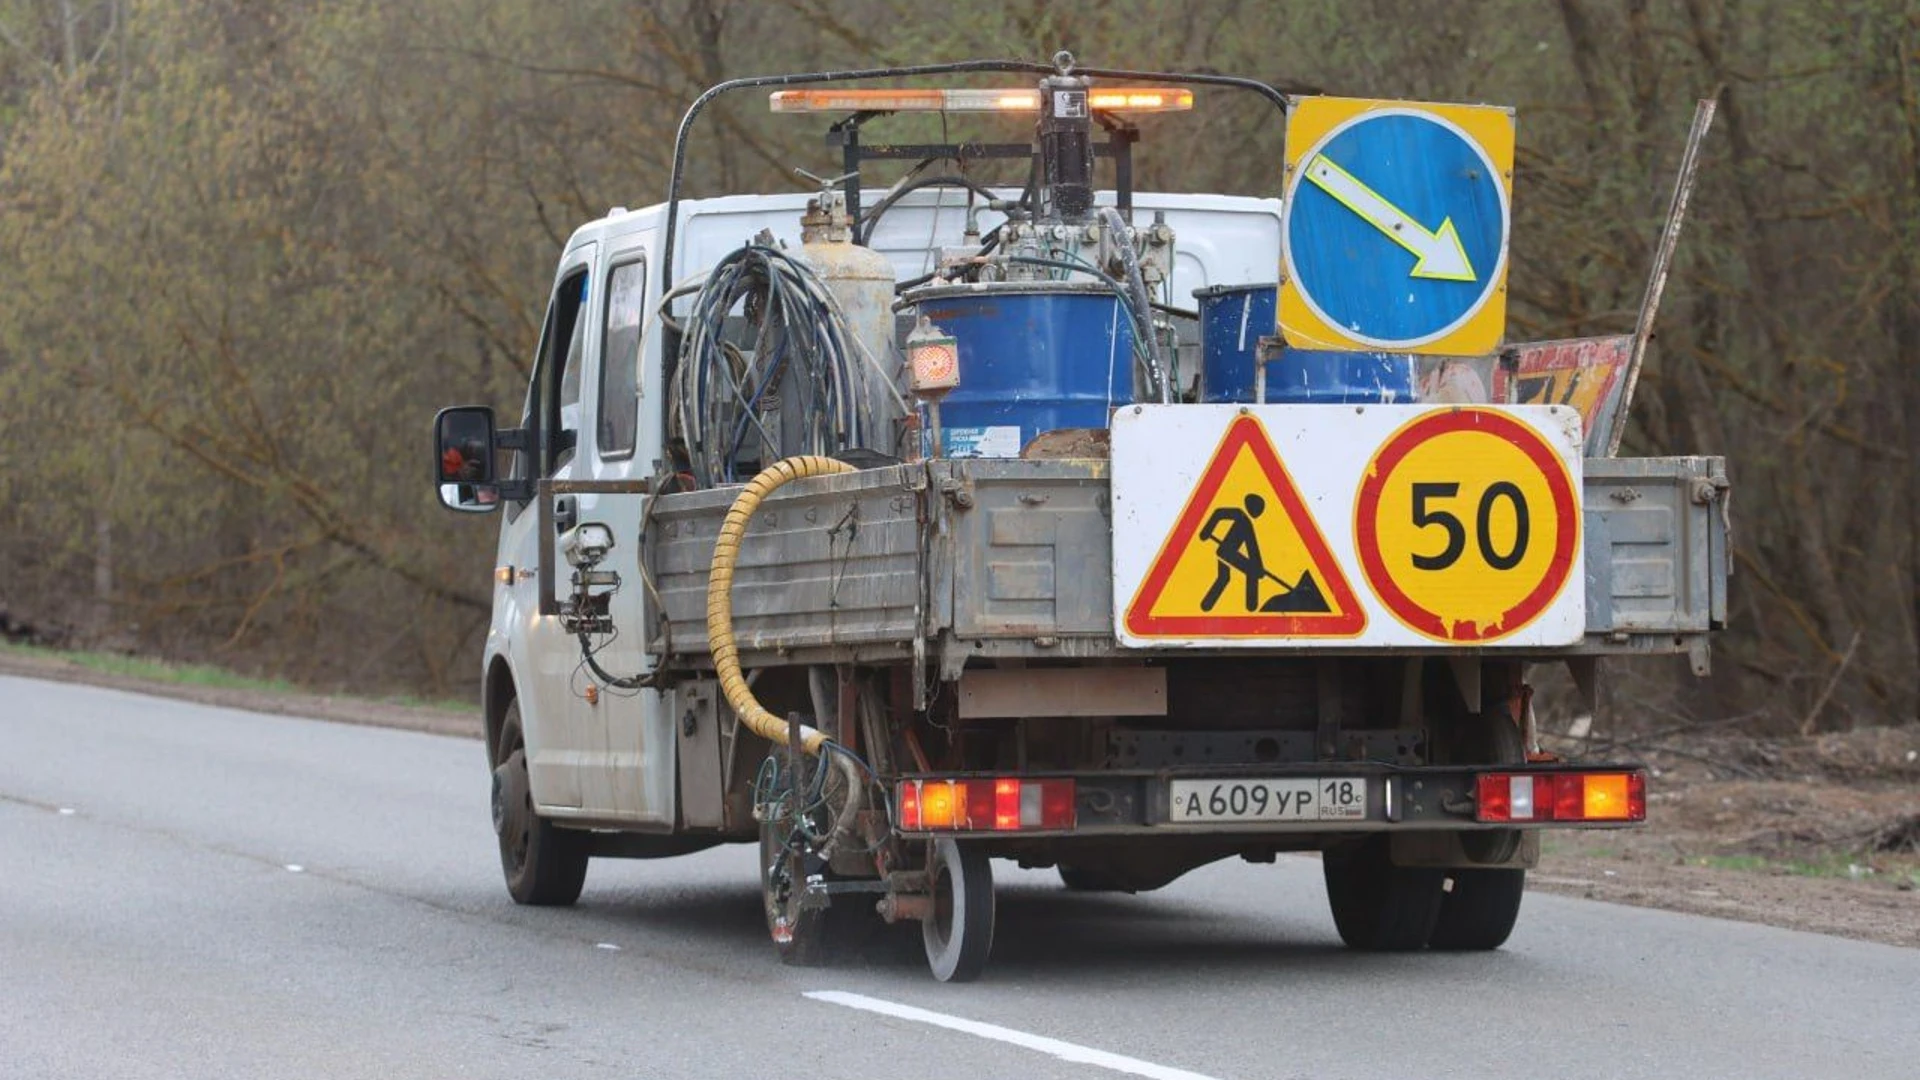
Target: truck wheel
(544, 865)
(1377, 906)
(959, 931)
(1480, 911)
(804, 936)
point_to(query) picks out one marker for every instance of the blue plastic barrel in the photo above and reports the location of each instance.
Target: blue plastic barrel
(1034, 357)
(1233, 318)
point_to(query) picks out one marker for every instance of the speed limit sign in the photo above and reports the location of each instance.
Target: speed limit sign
(1467, 525)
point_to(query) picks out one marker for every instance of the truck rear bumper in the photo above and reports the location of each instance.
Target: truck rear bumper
(1325, 798)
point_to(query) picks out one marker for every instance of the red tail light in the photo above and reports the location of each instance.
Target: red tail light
(1562, 796)
(910, 806)
(1001, 804)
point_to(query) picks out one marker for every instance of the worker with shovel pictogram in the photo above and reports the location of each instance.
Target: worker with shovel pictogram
(1238, 550)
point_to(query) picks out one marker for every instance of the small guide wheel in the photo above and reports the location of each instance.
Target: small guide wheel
(958, 930)
(807, 926)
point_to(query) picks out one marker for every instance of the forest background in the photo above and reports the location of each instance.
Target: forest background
(247, 249)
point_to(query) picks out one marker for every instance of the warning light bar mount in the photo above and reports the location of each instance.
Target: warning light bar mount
(1273, 95)
(1135, 99)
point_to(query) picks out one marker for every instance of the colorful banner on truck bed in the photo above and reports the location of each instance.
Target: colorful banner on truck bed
(1581, 372)
(1363, 526)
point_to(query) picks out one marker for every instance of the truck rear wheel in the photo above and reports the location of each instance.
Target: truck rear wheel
(959, 930)
(545, 866)
(1479, 912)
(1377, 906)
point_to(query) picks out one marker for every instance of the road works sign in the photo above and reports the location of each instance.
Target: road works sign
(1582, 372)
(1395, 225)
(1244, 558)
(1287, 526)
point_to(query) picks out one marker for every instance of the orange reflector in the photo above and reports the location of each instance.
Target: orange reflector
(1607, 797)
(1120, 99)
(939, 804)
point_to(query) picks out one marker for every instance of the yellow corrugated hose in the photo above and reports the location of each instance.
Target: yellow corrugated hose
(726, 551)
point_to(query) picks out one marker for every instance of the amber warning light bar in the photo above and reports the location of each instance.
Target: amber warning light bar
(1137, 99)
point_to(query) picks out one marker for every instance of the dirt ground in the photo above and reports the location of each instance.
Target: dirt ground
(1819, 834)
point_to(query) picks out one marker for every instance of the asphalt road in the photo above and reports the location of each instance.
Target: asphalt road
(195, 892)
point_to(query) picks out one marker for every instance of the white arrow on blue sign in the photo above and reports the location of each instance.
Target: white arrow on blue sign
(1396, 233)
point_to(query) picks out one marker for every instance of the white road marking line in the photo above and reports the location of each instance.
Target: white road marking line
(1065, 1051)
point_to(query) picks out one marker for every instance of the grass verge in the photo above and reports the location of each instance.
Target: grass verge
(198, 675)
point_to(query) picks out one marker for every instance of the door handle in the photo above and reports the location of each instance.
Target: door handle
(566, 512)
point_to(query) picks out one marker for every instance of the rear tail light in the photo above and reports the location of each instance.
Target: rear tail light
(1002, 804)
(1563, 796)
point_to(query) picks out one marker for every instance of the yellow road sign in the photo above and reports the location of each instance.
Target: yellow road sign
(1244, 559)
(1467, 523)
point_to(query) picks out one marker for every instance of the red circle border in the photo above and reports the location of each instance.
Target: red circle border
(1559, 484)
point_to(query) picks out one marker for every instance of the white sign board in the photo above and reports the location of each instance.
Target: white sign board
(1361, 526)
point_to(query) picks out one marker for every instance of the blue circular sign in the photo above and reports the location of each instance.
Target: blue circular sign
(1396, 228)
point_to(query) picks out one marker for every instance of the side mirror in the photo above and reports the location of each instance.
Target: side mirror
(464, 460)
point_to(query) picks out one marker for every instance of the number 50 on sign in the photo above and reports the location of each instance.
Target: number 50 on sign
(1467, 524)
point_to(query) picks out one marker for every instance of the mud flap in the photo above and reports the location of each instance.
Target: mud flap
(1456, 850)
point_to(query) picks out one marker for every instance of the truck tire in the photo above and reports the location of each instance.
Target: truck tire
(1480, 911)
(959, 931)
(1377, 906)
(544, 865)
(806, 936)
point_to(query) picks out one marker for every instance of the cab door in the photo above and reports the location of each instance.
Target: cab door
(560, 752)
(634, 770)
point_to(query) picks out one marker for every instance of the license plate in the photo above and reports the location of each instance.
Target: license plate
(1299, 798)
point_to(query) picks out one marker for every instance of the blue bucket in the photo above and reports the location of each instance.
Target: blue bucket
(1034, 357)
(1233, 319)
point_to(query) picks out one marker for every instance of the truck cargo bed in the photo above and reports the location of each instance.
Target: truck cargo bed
(959, 558)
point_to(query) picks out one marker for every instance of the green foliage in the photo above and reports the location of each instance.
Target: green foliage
(251, 247)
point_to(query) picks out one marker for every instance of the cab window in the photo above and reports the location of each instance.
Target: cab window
(620, 366)
(552, 415)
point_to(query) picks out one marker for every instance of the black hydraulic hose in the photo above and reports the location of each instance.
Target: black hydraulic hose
(872, 217)
(991, 241)
(1142, 302)
(618, 682)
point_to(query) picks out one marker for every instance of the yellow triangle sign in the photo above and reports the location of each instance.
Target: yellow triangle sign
(1245, 558)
